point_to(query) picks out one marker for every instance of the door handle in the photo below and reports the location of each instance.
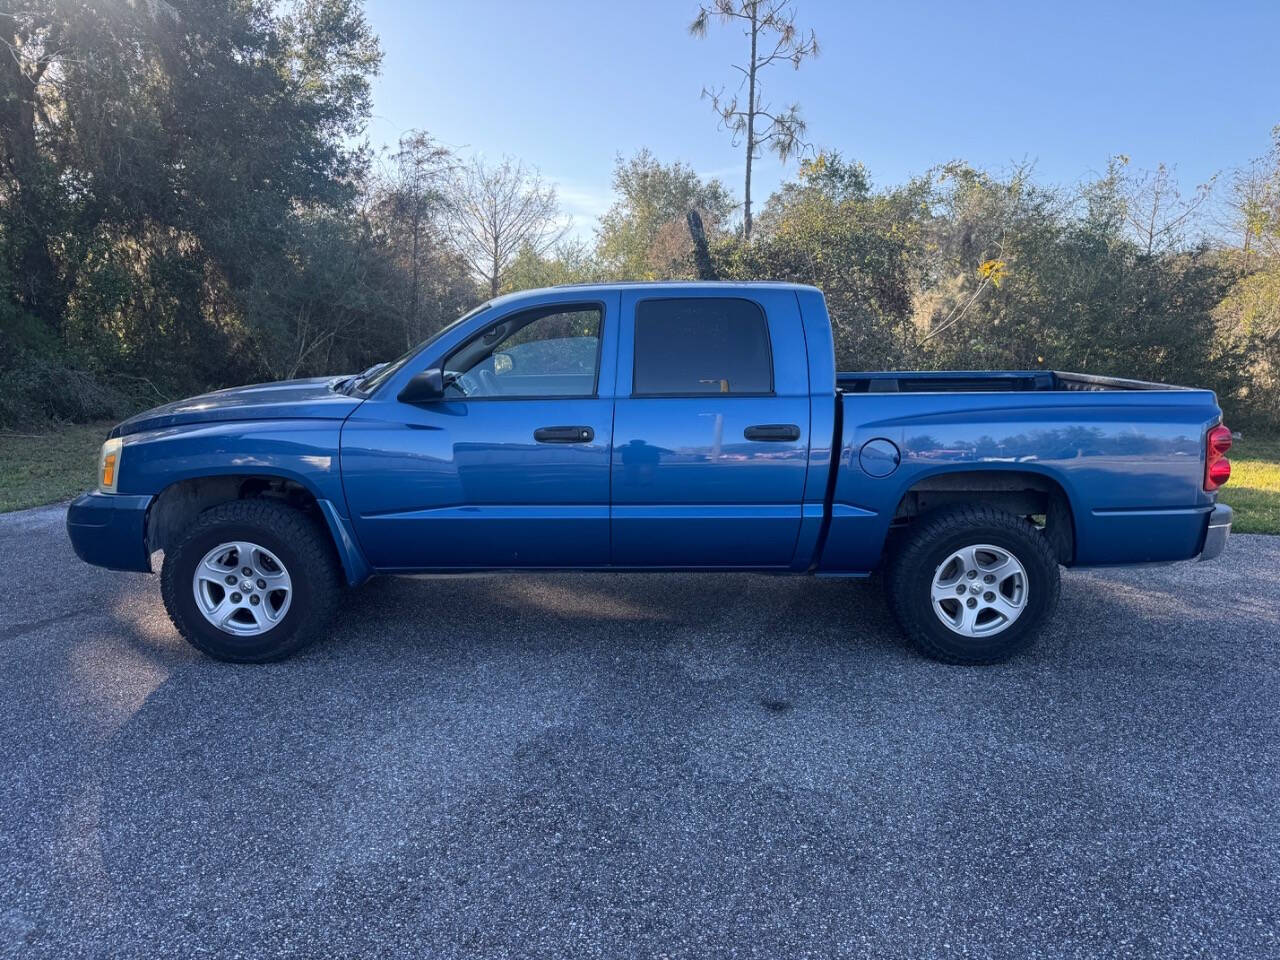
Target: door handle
(564, 435)
(772, 432)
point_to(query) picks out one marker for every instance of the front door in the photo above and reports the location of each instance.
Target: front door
(711, 429)
(510, 468)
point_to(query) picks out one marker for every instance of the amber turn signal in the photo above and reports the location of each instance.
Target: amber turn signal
(109, 466)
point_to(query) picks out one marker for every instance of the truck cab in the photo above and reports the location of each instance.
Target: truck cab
(633, 428)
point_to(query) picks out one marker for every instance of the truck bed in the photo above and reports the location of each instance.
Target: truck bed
(985, 381)
(1127, 456)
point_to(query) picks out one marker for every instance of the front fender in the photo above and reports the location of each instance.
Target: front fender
(304, 451)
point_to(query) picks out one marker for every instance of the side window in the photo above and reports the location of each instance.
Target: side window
(546, 352)
(701, 345)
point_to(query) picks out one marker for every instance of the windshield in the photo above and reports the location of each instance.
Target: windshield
(370, 384)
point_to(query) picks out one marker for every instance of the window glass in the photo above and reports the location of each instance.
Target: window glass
(547, 352)
(372, 383)
(701, 345)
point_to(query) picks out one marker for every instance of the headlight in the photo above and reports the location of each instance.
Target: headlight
(109, 465)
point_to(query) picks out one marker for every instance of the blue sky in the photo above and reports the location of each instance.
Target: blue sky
(566, 85)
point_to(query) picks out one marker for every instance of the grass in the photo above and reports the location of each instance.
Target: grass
(47, 467)
(44, 468)
(1253, 491)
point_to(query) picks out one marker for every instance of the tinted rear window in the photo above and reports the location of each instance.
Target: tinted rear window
(701, 345)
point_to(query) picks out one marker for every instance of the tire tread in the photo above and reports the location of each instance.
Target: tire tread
(319, 565)
(913, 552)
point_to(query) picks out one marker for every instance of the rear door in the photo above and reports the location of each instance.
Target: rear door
(711, 429)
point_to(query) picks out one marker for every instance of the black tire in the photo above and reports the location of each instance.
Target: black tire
(929, 542)
(300, 543)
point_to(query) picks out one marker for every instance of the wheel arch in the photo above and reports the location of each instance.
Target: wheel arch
(1021, 492)
(178, 505)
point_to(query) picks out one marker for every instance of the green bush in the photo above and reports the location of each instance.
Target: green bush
(40, 389)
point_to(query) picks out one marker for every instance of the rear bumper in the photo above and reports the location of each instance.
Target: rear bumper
(109, 530)
(1216, 534)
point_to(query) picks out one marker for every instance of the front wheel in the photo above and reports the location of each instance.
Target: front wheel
(972, 584)
(251, 581)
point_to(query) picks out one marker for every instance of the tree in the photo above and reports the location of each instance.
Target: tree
(1248, 318)
(1254, 209)
(64, 68)
(1155, 210)
(1078, 289)
(1248, 323)
(828, 230)
(567, 262)
(412, 204)
(497, 211)
(752, 121)
(158, 163)
(644, 229)
(828, 180)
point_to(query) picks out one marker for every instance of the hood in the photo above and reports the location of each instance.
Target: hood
(287, 400)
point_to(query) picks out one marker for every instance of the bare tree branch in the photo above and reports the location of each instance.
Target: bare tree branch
(496, 211)
(1156, 211)
(784, 133)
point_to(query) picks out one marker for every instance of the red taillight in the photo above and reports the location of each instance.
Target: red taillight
(1217, 468)
(1219, 440)
(1219, 472)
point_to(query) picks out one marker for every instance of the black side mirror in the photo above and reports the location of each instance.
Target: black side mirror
(424, 387)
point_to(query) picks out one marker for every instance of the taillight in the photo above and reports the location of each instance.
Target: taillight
(1217, 468)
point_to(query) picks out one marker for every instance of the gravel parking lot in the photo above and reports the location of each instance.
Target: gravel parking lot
(650, 766)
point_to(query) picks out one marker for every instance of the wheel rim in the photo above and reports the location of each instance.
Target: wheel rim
(242, 588)
(979, 591)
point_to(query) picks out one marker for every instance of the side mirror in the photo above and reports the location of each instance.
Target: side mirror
(424, 387)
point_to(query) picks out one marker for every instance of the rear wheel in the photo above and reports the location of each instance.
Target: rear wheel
(251, 581)
(972, 584)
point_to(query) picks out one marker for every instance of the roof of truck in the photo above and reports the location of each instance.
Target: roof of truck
(538, 296)
(649, 284)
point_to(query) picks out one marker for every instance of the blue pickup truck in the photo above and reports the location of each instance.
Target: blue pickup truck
(669, 426)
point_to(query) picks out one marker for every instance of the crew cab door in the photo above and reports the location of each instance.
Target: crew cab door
(510, 468)
(711, 429)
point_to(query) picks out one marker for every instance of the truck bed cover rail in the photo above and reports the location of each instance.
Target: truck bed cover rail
(985, 381)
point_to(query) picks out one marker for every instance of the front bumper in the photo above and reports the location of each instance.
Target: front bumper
(109, 530)
(1216, 534)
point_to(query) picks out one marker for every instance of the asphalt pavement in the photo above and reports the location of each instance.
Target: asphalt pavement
(640, 766)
